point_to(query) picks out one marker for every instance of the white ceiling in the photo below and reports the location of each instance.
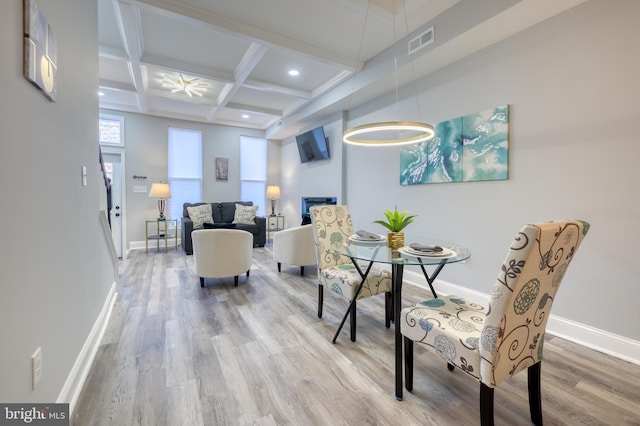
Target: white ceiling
(242, 50)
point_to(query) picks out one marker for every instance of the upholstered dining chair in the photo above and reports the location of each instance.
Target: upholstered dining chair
(332, 227)
(219, 253)
(493, 343)
(294, 246)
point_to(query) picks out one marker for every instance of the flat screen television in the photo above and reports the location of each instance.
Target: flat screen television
(312, 145)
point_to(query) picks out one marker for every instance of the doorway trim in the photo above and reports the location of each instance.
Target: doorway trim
(120, 152)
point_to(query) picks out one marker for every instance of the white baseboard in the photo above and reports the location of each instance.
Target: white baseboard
(140, 245)
(602, 341)
(80, 370)
(136, 245)
(599, 340)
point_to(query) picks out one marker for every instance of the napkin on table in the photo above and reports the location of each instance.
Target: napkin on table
(366, 235)
(425, 248)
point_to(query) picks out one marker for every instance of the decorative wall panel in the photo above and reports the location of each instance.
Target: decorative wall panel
(473, 147)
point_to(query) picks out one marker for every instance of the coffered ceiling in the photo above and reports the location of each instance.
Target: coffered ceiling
(239, 53)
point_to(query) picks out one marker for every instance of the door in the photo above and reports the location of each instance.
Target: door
(113, 167)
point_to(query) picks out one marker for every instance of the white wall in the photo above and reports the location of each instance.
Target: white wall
(572, 84)
(315, 179)
(55, 271)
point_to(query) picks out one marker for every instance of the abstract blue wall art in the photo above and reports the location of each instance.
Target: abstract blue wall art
(470, 148)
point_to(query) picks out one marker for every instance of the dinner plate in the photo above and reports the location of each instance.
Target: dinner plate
(356, 239)
(444, 254)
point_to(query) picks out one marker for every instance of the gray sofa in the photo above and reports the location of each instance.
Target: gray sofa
(223, 214)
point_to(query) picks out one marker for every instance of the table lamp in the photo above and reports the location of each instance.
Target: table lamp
(273, 192)
(161, 191)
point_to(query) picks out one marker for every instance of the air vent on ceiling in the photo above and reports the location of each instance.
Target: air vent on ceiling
(421, 40)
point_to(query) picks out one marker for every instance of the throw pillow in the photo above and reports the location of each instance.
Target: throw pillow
(245, 214)
(200, 214)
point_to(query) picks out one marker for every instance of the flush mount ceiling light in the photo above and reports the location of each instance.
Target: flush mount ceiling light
(388, 133)
(180, 84)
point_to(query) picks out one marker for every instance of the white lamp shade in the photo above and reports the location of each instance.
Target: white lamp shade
(160, 190)
(273, 191)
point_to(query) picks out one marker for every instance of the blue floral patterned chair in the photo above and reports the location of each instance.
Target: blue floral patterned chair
(332, 227)
(492, 344)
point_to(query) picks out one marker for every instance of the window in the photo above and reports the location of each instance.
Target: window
(253, 171)
(110, 129)
(185, 169)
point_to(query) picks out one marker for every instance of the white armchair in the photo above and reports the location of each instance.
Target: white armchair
(294, 246)
(219, 253)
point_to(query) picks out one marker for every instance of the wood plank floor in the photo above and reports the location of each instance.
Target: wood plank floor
(257, 354)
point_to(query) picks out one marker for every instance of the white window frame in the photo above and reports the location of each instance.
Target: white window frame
(176, 179)
(260, 200)
(111, 117)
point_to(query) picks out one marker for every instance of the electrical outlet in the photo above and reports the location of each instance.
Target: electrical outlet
(36, 367)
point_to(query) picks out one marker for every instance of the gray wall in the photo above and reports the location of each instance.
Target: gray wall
(572, 84)
(55, 270)
(146, 155)
(315, 179)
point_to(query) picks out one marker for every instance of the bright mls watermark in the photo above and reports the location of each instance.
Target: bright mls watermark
(34, 414)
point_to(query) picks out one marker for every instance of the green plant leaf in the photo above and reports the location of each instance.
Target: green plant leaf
(396, 221)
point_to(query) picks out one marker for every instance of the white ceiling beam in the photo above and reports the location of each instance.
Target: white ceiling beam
(112, 52)
(252, 32)
(130, 26)
(246, 124)
(118, 107)
(254, 108)
(252, 56)
(268, 87)
(176, 115)
(116, 85)
(338, 78)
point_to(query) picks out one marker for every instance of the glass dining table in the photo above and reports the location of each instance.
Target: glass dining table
(370, 252)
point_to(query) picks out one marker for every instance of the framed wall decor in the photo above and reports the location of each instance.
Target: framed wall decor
(40, 51)
(222, 168)
(474, 147)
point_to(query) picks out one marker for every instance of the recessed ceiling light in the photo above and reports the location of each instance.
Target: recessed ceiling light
(294, 73)
(100, 93)
(245, 116)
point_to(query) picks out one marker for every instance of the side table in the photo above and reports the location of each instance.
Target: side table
(274, 224)
(164, 230)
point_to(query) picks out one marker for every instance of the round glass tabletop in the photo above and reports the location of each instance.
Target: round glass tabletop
(377, 251)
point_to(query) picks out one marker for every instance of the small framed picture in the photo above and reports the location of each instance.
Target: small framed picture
(222, 168)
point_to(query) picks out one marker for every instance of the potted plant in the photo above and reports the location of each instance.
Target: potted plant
(395, 223)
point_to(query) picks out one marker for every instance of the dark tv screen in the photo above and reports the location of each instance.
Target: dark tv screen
(312, 145)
